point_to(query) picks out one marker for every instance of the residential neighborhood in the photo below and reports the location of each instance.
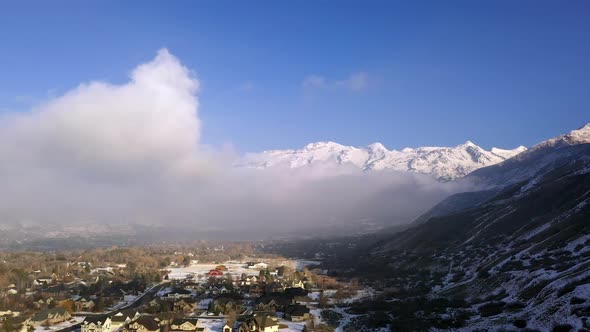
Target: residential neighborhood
(180, 294)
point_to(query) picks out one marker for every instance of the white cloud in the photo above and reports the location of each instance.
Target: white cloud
(314, 82)
(247, 87)
(149, 121)
(356, 82)
(131, 153)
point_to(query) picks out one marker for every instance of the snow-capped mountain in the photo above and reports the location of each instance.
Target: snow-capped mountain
(542, 157)
(574, 137)
(444, 163)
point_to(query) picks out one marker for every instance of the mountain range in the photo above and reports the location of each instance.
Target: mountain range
(444, 163)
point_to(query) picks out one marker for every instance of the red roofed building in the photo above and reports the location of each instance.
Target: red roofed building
(215, 273)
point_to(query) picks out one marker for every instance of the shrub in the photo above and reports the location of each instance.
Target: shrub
(577, 300)
(492, 308)
(331, 318)
(581, 312)
(520, 323)
(562, 328)
(514, 306)
(532, 291)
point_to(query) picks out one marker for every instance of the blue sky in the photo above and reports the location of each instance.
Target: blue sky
(281, 74)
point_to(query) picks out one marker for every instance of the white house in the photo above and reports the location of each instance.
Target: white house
(258, 266)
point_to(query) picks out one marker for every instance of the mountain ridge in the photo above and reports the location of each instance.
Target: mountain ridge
(444, 163)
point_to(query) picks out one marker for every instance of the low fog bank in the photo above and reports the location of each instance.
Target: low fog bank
(126, 154)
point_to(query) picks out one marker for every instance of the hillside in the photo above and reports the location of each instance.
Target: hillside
(522, 255)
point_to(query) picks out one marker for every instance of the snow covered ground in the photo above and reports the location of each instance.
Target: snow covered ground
(361, 294)
(291, 326)
(346, 317)
(73, 321)
(204, 304)
(212, 325)
(235, 269)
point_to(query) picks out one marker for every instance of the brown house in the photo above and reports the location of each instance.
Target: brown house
(297, 313)
(49, 317)
(185, 305)
(143, 324)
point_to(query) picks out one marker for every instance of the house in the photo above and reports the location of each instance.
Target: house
(4, 315)
(40, 304)
(177, 293)
(59, 290)
(267, 323)
(297, 313)
(193, 286)
(258, 266)
(143, 324)
(157, 304)
(185, 305)
(256, 290)
(259, 323)
(184, 324)
(45, 279)
(297, 284)
(82, 304)
(96, 324)
(226, 303)
(49, 317)
(275, 287)
(123, 317)
(272, 302)
(11, 290)
(113, 294)
(250, 280)
(215, 290)
(13, 321)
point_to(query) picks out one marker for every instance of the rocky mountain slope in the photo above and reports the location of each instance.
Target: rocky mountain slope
(526, 166)
(517, 254)
(539, 159)
(444, 163)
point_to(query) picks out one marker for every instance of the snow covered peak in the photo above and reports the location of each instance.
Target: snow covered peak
(574, 137)
(580, 135)
(468, 143)
(322, 145)
(444, 163)
(376, 147)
